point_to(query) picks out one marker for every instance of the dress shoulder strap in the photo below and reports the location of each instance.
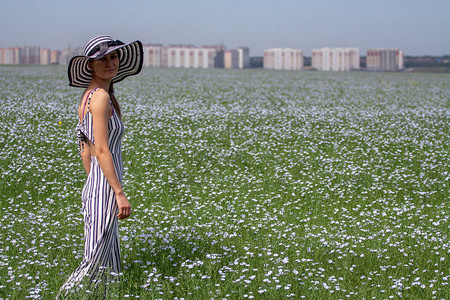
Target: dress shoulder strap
(89, 96)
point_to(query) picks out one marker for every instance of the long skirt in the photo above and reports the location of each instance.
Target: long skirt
(101, 257)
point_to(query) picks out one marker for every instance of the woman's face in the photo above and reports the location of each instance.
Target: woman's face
(106, 68)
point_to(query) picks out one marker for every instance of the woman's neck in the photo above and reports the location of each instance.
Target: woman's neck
(96, 83)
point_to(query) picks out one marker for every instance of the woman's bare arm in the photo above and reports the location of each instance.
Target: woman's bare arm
(100, 110)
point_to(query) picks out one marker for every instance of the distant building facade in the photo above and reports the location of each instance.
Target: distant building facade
(153, 55)
(30, 55)
(177, 56)
(244, 57)
(384, 59)
(34, 55)
(9, 56)
(67, 54)
(237, 58)
(54, 57)
(283, 59)
(184, 56)
(45, 57)
(335, 59)
(231, 60)
(20, 55)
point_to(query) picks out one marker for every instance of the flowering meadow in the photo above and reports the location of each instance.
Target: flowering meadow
(245, 184)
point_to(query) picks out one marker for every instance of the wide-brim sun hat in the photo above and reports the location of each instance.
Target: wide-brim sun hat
(131, 58)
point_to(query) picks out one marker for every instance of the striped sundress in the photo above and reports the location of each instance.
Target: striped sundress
(101, 234)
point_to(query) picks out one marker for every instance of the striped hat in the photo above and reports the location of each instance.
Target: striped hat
(131, 58)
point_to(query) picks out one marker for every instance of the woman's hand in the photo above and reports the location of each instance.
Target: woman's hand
(124, 206)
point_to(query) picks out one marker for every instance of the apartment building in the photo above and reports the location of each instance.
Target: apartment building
(54, 57)
(384, 59)
(20, 55)
(9, 56)
(30, 55)
(34, 55)
(244, 57)
(237, 58)
(283, 59)
(153, 55)
(44, 58)
(335, 59)
(206, 57)
(231, 59)
(67, 54)
(184, 56)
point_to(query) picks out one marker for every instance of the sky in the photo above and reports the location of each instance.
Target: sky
(416, 27)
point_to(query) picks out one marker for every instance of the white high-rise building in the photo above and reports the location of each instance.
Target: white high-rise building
(335, 59)
(384, 59)
(244, 57)
(45, 57)
(283, 59)
(8, 56)
(152, 55)
(183, 56)
(11, 56)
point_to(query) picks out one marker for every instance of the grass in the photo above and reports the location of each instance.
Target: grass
(244, 184)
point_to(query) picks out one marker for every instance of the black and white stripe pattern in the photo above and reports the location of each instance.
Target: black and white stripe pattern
(131, 59)
(94, 42)
(101, 233)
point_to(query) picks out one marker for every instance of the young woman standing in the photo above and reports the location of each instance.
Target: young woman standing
(99, 132)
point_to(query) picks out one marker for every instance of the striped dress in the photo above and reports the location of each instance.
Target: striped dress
(101, 234)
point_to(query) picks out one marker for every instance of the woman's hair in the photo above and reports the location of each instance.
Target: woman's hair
(114, 100)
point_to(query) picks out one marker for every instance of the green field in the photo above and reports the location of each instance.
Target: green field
(245, 184)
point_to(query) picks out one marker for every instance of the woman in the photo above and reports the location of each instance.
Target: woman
(99, 134)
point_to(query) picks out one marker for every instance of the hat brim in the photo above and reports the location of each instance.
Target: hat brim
(131, 59)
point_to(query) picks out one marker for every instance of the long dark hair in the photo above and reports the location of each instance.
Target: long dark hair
(114, 100)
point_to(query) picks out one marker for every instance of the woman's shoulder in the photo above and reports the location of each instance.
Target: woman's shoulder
(100, 96)
(91, 92)
(99, 93)
(100, 100)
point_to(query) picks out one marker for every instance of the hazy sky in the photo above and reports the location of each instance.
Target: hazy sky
(416, 27)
